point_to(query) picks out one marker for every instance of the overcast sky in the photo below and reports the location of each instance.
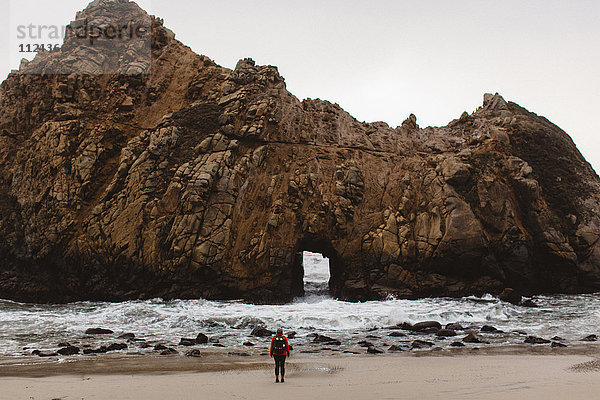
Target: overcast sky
(382, 59)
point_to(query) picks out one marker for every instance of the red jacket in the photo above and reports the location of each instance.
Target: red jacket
(286, 350)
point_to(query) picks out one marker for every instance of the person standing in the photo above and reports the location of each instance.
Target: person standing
(280, 349)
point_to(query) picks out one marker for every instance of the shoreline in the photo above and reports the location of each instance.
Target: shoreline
(457, 376)
(220, 361)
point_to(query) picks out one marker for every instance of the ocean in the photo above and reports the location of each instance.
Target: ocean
(27, 326)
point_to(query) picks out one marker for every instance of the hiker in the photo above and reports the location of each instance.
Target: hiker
(280, 349)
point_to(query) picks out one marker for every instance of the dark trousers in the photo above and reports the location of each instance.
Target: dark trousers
(279, 364)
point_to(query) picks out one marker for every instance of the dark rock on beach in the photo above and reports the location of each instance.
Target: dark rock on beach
(169, 351)
(427, 326)
(291, 335)
(395, 349)
(99, 350)
(536, 340)
(187, 342)
(557, 345)
(590, 338)
(510, 295)
(326, 339)
(457, 344)
(261, 331)
(193, 353)
(117, 346)
(64, 344)
(374, 350)
(407, 326)
(127, 336)
(98, 331)
(490, 329)
(472, 338)
(397, 334)
(248, 344)
(454, 326)
(43, 353)
(69, 351)
(421, 344)
(365, 343)
(446, 333)
(160, 347)
(201, 338)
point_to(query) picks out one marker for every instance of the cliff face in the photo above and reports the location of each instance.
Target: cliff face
(180, 178)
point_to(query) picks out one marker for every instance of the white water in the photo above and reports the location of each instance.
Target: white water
(44, 326)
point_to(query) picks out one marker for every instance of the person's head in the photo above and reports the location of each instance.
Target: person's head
(280, 331)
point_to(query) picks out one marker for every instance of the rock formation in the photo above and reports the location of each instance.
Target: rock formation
(183, 179)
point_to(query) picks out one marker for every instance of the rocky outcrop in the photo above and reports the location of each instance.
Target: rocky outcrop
(185, 179)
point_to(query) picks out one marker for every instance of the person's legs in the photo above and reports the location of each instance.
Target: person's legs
(283, 368)
(277, 366)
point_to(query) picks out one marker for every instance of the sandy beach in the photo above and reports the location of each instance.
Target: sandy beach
(496, 375)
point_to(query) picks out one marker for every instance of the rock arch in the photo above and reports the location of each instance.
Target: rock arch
(208, 185)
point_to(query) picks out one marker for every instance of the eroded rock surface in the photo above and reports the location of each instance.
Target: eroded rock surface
(186, 179)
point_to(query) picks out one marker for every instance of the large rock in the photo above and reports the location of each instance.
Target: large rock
(261, 331)
(174, 177)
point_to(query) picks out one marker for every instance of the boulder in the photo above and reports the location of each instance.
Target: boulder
(99, 350)
(472, 338)
(426, 325)
(421, 344)
(127, 336)
(454, 326)
(510, 295)
(201, 338)
(261, 331)
(590, 338)
(326, 339)
(44, 353)
(395, 349)
(536, 340)
(374, 350)
(117, 346)
(193, 353)
(490, 329)
(397, 334)
(365, 343)
(169, 351)
(98, 331)
(69, 351)
(446, 333)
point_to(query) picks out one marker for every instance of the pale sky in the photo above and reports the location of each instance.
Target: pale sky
(382, 60)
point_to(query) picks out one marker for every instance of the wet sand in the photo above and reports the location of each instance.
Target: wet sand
(527, 373)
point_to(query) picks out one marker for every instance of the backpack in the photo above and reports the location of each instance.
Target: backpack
(279, 345)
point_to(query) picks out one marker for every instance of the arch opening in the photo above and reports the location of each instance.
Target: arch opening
(315, 270)
(317, 274)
